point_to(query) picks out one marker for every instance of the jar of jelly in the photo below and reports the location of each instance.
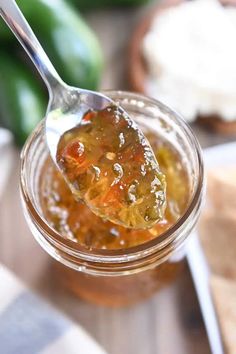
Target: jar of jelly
(99, 261)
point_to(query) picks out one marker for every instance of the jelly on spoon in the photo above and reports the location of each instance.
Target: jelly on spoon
(109, 164)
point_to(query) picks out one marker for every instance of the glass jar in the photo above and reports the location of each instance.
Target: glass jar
(118, 277)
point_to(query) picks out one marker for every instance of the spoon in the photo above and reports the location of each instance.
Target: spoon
(142, 197)
(64, 100)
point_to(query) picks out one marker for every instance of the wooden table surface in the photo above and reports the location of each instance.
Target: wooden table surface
(168, 323)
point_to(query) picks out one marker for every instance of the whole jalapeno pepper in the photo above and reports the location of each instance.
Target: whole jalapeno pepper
(22, 103)
(69, 42)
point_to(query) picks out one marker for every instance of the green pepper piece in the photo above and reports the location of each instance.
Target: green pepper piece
(22, 104)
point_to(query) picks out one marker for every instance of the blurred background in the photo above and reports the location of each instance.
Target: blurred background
(183, 56)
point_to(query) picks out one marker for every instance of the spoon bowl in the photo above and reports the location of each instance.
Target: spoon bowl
(66, 110)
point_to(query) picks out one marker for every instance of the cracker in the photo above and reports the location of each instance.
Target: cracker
(218, 238)
(222, 189)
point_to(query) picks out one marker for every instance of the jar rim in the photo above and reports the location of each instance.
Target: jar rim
(158, 244)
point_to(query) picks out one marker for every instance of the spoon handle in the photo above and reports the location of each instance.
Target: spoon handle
(14, 18)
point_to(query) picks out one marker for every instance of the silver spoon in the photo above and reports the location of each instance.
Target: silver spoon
(142, 200)
(67, 104)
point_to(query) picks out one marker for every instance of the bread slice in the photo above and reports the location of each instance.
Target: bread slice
(218, 238)
(222, 190)
(224, 297)
(138, 71)
(137, 68)
(216, 124)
